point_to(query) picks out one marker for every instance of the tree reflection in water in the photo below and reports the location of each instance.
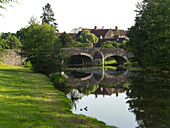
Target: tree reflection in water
(149, 99)
(74, 95)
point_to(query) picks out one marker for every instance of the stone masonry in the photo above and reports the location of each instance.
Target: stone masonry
(12, 57)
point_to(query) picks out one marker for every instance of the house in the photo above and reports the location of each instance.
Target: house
(107, 35)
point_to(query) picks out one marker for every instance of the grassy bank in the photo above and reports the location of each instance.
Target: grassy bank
(28, 100)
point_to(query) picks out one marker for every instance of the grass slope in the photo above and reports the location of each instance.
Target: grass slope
(28, 100)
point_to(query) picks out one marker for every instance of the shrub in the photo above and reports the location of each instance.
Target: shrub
(27, 64)
(58, 80)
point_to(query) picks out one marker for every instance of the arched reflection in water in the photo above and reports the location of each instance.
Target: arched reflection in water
(95, 76)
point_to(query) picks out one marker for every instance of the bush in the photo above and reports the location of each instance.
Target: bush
(58, 80)
(27, 64)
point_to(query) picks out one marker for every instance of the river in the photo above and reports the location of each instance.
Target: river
(119, 97)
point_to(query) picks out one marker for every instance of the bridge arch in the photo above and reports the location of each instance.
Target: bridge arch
(86, 54)
(81, 59)
(119, 59)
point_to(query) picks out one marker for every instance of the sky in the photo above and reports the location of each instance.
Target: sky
(70, 14)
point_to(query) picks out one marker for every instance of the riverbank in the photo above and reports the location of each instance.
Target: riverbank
(28, 99)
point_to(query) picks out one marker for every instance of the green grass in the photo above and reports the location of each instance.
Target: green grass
(28, 100)
(110, 62)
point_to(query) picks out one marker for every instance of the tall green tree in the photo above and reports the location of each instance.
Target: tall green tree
(42, 47)
(86, 37)
(149, 37)
(66, 40)
(48, 16)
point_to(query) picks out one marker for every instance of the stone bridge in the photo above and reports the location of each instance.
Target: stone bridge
(96, 56)
(91, 56)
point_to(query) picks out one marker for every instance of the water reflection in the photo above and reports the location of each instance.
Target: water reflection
(95, 92)
(93, 76)
(102, 90)
(149, 99)
(74, 95)
(120, 98)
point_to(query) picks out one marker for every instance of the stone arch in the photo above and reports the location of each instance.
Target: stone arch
(98, 58)
(86, 54)
(81, 59)
(119, 59)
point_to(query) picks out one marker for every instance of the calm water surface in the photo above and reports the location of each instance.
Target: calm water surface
(120, 98)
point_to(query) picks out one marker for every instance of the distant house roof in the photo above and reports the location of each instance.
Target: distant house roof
(106, 33)
(98, 32)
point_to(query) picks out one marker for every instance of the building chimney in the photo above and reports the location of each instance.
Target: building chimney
(95, 27)
(116, 28)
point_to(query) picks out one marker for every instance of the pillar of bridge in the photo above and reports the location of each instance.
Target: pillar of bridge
(98, 59)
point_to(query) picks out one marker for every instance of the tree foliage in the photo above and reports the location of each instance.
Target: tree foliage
(5, 2)
(123, 44)
(149, 37)
(108, 44)
(48, 16)
(12, 41)
(3, 46)
(113, 44)
(79, 44)
(66, 40)
(42, 47)
(21, 34)
(87, 37)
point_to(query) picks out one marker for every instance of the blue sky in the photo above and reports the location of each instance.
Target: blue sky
(71, 14)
